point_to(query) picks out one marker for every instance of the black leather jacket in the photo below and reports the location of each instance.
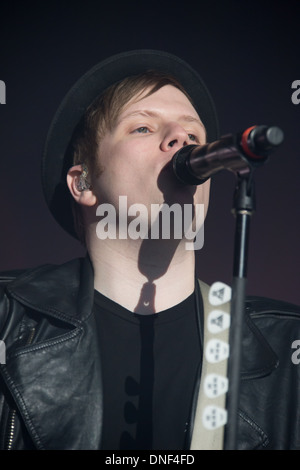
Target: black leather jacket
(50, 388)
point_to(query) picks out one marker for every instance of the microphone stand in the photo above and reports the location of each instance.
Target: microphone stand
(240, 153)
(243, 207)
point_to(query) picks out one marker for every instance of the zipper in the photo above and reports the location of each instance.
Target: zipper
(11, 427)
(11, 430)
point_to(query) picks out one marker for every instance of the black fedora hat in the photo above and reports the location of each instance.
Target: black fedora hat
(55, 162)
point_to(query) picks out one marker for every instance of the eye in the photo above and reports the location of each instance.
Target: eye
(142, 130)
(193, 138)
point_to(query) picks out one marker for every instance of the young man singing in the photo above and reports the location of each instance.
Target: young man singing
(107, 352)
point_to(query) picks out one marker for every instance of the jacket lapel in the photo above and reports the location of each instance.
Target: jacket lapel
(57, 382)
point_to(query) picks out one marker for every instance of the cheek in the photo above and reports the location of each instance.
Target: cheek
(121, 176)
(130, 154)
(131, 163)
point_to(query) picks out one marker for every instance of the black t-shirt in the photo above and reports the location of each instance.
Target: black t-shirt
(149, 365)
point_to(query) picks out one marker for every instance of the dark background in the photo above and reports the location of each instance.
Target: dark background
(248, 54)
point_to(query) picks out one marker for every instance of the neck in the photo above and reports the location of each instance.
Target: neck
(144, 276)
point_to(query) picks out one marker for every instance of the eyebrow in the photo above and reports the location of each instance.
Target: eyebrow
(189, 118)
(146, 113)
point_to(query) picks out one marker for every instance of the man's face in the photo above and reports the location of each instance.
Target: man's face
(136, 155)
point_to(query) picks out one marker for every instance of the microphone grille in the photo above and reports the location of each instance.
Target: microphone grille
(181, 167)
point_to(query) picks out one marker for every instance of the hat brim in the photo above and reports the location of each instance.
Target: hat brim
(83, 93)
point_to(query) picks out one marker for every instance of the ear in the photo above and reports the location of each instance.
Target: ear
(86, 197)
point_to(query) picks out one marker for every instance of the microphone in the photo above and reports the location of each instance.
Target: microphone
(194, 164)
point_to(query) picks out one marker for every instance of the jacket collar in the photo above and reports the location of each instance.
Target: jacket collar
(65, 292)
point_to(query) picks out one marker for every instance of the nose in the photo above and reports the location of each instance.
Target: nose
(174, 137)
